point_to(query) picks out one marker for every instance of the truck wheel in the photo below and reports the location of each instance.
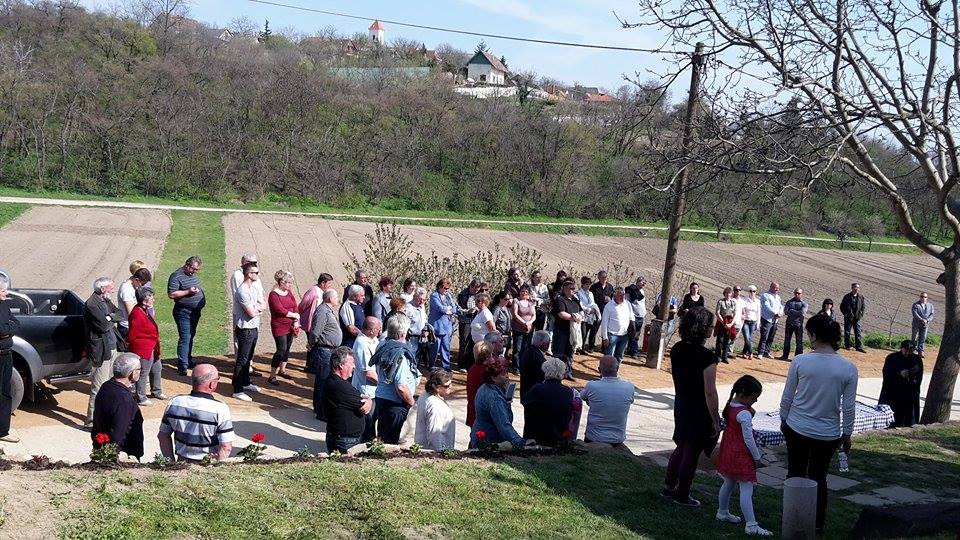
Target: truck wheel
(16, 389)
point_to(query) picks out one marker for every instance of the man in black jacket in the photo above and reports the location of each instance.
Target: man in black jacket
(8, 327)
(117, 412)
(602, 293)
(852, 306)
(100, 317)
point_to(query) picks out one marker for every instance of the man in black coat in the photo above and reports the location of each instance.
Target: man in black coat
(902, 375)
(100, 317)
(117, 413)
(531, 361)
(853, 306)
(548, 407)
(8, 327)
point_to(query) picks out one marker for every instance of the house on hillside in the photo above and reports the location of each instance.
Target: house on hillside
(599, 97)
(377, 32)
(487, 68)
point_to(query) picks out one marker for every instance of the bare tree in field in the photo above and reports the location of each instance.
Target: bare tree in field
(859, 74)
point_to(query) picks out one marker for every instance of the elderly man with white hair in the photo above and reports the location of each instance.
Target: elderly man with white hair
(548, 406)
(397, 379)
(8, 327)
(196, 425)
(117, 413)
(609, 400)
(416, 311)
(352, 314)
(360, 279)
(100, 318)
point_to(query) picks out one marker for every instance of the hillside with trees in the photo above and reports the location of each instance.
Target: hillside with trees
(148, 101)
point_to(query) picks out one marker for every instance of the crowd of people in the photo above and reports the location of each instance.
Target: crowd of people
(369, 351)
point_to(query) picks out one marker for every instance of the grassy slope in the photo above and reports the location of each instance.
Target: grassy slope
(927, 458)
(304, 205)
(195, 233)
(595, 496)
(10, 212)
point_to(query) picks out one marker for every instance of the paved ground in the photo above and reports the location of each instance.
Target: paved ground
(51, 426)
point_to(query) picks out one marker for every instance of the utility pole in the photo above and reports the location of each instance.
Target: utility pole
(658, 342)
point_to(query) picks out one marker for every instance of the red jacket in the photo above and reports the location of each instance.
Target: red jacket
(144, 336)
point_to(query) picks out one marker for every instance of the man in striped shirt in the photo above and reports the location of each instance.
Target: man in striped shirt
(197, 424)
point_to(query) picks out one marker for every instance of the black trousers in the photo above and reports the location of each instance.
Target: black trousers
(810, 458)
(6, 399)
(246, 344)
(283, 349)
(390, 418)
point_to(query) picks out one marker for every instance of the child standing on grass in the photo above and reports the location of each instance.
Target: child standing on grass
(739, 455)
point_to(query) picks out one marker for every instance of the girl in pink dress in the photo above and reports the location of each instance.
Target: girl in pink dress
(739, 455)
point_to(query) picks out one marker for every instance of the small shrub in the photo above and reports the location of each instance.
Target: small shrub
(160, 461)
(415, 449)
(254, 450)
(376, 448)
(108, 453)
(208, 460)
(38, 462)
(303, 452)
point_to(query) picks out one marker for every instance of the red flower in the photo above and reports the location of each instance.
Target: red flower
(481, 434)
(102, 439)
(567, 434)
(258, 437)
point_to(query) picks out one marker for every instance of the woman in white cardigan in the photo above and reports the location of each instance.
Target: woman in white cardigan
(436, 427)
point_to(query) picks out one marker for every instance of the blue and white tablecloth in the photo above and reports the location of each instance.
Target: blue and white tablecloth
(766, 425)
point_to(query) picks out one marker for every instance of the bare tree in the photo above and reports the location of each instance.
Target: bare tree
(857, 72)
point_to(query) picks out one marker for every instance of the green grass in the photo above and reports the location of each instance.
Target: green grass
(195, 233)
(517, 223)
(592, 496)
(926, 458)
(10, 212)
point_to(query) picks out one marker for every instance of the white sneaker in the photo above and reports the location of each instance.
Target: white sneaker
(752, 529)
(145, 402)
(251, 388)
(242, 397)
(727, 517)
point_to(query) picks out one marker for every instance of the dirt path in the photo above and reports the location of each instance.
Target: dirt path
(891, 282)
(54, 247)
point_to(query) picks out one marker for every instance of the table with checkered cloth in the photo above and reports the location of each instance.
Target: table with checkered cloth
(766, 426)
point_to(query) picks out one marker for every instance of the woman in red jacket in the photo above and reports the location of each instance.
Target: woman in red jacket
(284, 324)
(144, 341)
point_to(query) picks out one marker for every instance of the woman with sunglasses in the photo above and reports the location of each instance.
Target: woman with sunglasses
(436, 427)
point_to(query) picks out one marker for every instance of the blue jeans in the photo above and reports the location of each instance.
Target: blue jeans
(322, 355)
(341, 443)
(849, 324)
(747, 329)
(521, 340)
(187, 321)
(390, 418)
(633, 346)
(768, 330)
(441, 346)
(616, 346)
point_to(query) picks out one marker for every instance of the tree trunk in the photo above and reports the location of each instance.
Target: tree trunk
(944, 377)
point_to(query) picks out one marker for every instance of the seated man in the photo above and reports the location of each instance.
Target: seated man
(345, 407)
(609, 399)
(116, 411)
(548, 406)
(200, 424)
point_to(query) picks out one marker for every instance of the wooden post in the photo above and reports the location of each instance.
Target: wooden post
(658, 346)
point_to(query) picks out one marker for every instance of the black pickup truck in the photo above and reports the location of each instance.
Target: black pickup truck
(50, 343)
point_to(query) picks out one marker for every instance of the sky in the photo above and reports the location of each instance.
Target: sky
(580, 21)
